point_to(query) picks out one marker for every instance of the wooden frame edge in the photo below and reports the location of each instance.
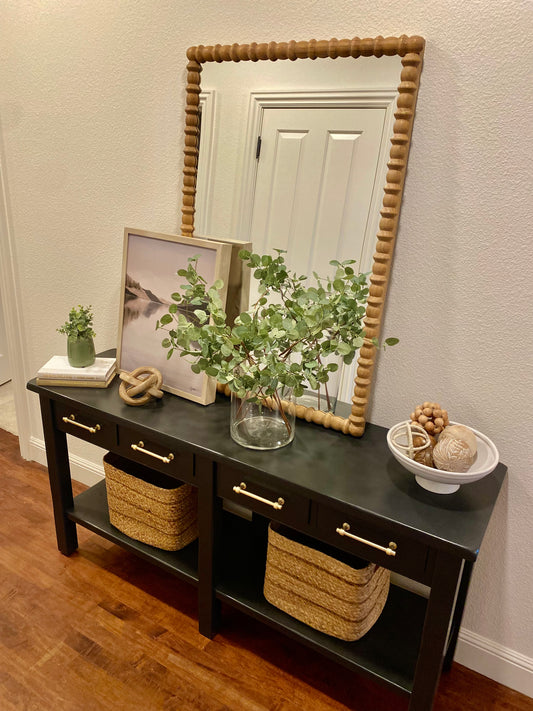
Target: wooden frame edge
(411, 52)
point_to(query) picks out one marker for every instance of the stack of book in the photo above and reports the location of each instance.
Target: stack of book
(58, 371)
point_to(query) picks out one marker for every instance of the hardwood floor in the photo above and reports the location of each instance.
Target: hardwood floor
(102, 630)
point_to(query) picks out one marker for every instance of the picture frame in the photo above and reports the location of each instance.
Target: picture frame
(239, 278)
(149, 278)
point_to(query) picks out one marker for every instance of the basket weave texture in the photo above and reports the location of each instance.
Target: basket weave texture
(149, 506)
(327, 594)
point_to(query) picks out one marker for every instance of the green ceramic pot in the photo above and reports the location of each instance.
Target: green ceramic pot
(80, 352)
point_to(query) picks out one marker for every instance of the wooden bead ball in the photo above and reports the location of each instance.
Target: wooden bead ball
(431, 417)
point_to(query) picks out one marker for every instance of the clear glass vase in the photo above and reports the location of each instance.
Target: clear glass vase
(263, 423)
(80, 352)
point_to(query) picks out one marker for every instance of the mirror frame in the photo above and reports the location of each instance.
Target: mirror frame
(411, 51)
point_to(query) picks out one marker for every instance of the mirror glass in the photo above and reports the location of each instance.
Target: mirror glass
(313, 183)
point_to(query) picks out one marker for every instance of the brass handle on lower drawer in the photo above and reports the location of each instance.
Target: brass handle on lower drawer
(71, 420)
(140, 448)
(391, 550)
(241, 489)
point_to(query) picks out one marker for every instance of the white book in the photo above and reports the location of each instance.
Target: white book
(58, 368)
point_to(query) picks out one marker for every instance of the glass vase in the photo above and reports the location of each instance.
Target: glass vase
(80, 352)
(266, 423)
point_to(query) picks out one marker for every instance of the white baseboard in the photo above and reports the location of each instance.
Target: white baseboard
(491, 659)
(484, 656)
(81, 469)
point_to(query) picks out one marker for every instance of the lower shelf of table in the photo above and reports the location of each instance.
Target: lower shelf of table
(388, 652)
(90, 511)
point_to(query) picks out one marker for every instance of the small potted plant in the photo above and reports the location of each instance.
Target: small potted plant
(282, 344)
(80, 334)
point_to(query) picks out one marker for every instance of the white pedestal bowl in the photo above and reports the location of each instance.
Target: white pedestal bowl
(442, 482)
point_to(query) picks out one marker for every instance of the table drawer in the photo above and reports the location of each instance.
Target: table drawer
(92, 428)
(271, 500)
(374, 542)
(154, 454)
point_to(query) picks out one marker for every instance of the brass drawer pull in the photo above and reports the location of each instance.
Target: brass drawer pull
(241, 489)
(71, 420)
(391, 550)
(140, 448)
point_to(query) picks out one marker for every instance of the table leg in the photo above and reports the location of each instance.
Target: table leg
(438, 615)
(59, 476)
(208, 605)
(458, 614)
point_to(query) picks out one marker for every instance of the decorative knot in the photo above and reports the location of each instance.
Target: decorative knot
(141, 385)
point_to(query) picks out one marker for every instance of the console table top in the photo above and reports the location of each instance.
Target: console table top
(330, 467)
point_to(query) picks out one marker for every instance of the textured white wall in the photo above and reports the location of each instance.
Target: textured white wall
(92, 116)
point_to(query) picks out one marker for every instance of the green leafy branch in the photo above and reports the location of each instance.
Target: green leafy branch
(287, 336)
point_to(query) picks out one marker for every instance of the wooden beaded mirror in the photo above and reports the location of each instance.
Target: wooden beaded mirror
(395, 149)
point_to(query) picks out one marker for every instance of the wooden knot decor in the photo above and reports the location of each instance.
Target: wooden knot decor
(141, 385)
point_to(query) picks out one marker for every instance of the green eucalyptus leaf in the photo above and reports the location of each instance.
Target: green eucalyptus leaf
(201, 315)
(343, 348)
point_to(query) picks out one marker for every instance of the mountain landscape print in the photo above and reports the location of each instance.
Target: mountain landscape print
(149, 280)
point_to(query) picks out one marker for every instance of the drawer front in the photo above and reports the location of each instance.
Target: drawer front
(156, 455)
(378, 544)
(92, 428)
(269, 500)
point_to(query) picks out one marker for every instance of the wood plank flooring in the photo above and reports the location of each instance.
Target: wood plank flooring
(104, 631)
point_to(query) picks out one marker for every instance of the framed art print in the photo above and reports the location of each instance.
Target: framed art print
(149, 278)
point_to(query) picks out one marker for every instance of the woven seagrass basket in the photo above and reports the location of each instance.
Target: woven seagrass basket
(342, 599)
(149, 506)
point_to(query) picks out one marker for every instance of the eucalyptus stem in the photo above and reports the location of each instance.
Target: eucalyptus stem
(313, 322)
(282, 412)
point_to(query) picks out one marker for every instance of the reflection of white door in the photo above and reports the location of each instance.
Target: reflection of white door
(315, 183)
(5, 371)
(315, 192)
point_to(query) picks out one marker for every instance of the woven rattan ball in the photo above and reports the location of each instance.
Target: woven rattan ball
(431, 416)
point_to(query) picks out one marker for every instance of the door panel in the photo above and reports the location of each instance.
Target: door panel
(315, 181)
(314, 197)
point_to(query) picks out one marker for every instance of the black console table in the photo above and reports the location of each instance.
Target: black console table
(325, 480)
